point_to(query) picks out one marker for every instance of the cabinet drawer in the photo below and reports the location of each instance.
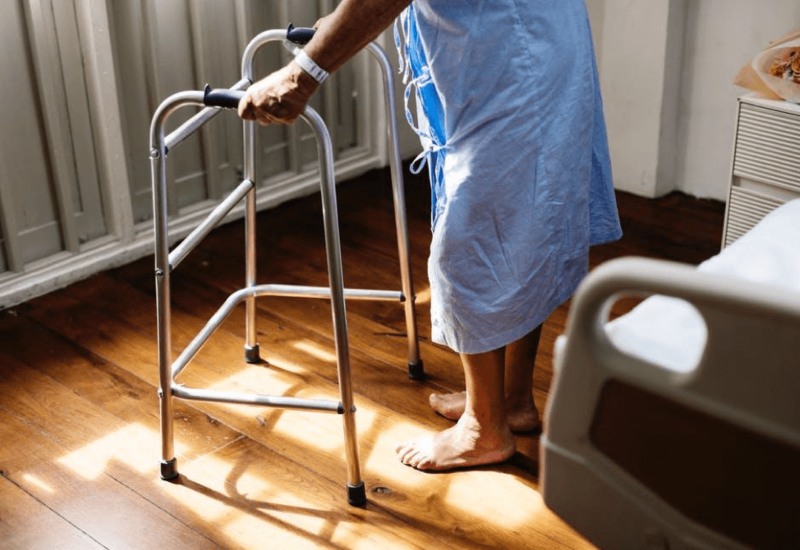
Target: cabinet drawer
(745, 209)
(767, 147)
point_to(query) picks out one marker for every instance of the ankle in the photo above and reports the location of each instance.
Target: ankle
(484, 424)
(517, 402)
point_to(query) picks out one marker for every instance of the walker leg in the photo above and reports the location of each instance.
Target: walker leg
(251, 348)
(415, 367)
(163, 311)
(355, 485)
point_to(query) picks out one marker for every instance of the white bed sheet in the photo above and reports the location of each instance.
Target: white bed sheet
(671, 333)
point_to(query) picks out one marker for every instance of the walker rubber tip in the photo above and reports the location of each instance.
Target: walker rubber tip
(169, 469)
(252, 354)
(416, 371)
(357, 494)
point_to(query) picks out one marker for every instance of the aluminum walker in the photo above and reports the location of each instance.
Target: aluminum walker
(166, 261)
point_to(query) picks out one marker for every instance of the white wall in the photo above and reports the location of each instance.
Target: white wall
(666, 71)
(721, 36)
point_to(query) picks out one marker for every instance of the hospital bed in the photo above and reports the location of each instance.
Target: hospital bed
(677, 425)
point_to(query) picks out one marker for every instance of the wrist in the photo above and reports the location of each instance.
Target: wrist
(309, 67)
(304, 81)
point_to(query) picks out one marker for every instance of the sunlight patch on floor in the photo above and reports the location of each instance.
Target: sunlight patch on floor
(497, 489)
(209, 507)
(252, 509)
(356, 537)
(126, 445)
(315, 430)
(315, 350)
(257, 379)
(383, 453)
(38, 482)
(242, 527)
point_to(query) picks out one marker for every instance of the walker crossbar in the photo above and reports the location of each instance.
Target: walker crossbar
(212, 220)
(297, 291)
(166, 261)
(321, 405)
(194, 123)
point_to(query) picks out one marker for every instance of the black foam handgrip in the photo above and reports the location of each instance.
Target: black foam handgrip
(222, 97)
(299, 35)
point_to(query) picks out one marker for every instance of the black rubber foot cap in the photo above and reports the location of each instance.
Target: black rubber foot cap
(169, 469)
(416, 371)
(252, 354)
(357, 495)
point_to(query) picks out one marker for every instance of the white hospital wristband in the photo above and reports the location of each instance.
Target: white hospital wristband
(307, 64)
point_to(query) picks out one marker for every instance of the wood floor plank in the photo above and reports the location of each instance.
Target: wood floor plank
(111, 388)
(26, 523)
(71, 463)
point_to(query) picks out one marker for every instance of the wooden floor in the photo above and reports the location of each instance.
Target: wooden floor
(79, 429)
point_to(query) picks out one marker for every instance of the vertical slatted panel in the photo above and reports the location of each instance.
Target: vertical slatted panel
(17, 82)
(86, 77)
(171, 61)
(86, 205)
(45, 44)
(130, 43)
(97, 56)
(173, 45)
(342, 99)
(301, 140)
(219, 66)
(274, 144)
(30, 204)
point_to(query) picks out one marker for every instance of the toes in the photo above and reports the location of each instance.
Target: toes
(406, 452)
(410, 454)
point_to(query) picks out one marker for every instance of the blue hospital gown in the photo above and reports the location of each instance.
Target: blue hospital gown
(510, 117)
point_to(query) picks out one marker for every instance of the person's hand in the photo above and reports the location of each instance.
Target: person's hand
(278, 98)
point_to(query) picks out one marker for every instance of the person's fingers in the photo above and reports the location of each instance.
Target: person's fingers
(273, 115)
(245, 108)
(276, 99)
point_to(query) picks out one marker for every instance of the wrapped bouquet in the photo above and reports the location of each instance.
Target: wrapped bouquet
(775, 72)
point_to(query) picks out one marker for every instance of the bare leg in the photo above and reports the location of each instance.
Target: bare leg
(520, 362)
(481, 435)
(520, 359)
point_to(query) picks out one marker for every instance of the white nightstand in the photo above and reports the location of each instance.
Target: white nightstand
(765, 171)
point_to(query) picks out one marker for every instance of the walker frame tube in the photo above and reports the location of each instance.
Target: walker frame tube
(415, 366)
(166, 261)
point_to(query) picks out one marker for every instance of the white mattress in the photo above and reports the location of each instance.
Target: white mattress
(671, 333)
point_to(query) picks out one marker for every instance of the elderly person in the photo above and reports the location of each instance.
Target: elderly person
(511, 122)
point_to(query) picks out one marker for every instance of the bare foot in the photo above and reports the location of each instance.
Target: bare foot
(523, 418)
(464, 445)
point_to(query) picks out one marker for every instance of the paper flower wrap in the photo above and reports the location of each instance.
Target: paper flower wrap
(775, 72)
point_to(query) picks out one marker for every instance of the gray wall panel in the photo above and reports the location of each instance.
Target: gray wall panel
(86, 77)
